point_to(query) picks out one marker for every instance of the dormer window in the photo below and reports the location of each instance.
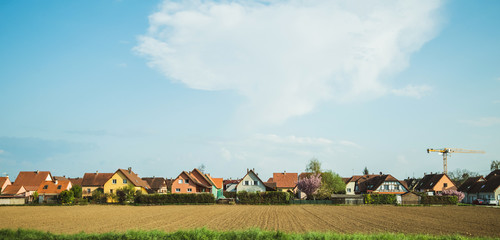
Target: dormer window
(46, 186)
(59, 187)
(125, 181)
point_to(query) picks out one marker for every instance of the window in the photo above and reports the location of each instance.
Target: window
(255, 182)
(396, 187)
(125, 181)
(110, 190)
(46, 186)
(246, 183)
(59, 187)
(88, 190)
(190, 189)
(187, 180)
(203, 190)
(386, 187)
(445, 185)
(114, 181)
(180, 180)
(177, 190)
(348, 190)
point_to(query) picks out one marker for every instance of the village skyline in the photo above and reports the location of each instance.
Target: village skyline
(163, 86)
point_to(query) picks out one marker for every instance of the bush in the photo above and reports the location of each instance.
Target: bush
(65, 197)
(230, 194)
(379, 198)
(439, 200)
(98, 196)
(263, 197)
(175, 198)
(77, 191)
(126, 194)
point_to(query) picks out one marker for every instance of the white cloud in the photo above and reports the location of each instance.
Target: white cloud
(1, 151)
(412, 91)
(483, 122)
(288, 56)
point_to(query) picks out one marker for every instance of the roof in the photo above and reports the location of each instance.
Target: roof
(13, 190)
(429, 181)
(49, 187)
(369, 183)
(59, 178)
(193, 179)
(270, 186)
(3, 180)
(32, 179)
(218, 182)
(134, 178)
(467, 185)
(490, 185)
(201, 177)
(345, 180)
(95, 179)
(284, 179)
(76, 181)
(493, 173)
(156, 182)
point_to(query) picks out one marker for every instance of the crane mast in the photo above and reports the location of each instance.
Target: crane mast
(446, 151)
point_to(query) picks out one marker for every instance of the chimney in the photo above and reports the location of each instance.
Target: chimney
(96, 172)
(37, 171)
(55, 182)
(247, 170)
(380, 173)
(129, 170)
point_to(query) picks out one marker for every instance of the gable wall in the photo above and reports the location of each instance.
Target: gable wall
(250, 188)
(440, 185)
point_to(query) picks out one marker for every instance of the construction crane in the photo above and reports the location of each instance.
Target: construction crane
(446, 151)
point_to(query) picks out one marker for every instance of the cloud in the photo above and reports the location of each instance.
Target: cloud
(412, 91)
(1, 151)
(287, 57)
(483, 122)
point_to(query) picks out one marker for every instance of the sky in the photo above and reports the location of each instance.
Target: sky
(166, 86)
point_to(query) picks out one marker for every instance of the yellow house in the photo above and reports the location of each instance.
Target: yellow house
(122, 178)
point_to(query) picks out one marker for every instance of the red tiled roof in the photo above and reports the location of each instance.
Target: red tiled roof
(32, 179)
(13, 190)
(3, 180)
(50, 187)
(76, 181)
(285, 180)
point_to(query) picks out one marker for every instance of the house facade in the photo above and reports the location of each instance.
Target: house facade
(48, 191)
(379, 184)
(251, 183)
(198, 182)
(434, 183)
(122, 178)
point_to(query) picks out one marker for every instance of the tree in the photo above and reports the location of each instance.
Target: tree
(66, 197)
(365, 171)
(77, 191)
(35, 197)
(202, 168)
(330, 183)
(126, 194)
(309, 185)
(460, 195)
(98, 196)
(495, 165)
(314, 166)
(458, 176)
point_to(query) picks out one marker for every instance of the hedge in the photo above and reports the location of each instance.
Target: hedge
(175, 198)
(380, 198)
(263, 197)
(439, 200)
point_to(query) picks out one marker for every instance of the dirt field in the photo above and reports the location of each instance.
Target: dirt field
(469, 221)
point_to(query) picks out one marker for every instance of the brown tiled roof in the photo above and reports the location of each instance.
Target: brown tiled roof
(156, 183)
(467, 185)
(95, 179)
(14, 190)
(50, 187)
(59, 178)
(201, 177)
(134, 178)
(270, 186)
(369, 183)
(489, 185)
(345, 180)
(169, 182)
(76, 181)
(493, 173)
(32, 179)
(193, 180)
(429, 181)
(284, 179)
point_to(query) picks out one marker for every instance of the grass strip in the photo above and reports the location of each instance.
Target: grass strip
(205, 234)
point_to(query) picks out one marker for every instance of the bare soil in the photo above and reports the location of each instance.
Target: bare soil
(434, 220)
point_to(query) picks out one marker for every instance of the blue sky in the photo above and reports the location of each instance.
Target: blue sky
(164, 87)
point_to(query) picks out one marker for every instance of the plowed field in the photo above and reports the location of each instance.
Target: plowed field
(469, 221)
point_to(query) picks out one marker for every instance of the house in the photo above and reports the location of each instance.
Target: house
(122, 178)
(373, 183)
(93, 181)
(31, 181)
(15, 190)
(487, 188)
(49, 190)
(156, 184)
(4, 182)
(13, 195)
(252, 183)
(230, 185)
(285, 182)
(197, 182)
(435, 183)
(411, 183)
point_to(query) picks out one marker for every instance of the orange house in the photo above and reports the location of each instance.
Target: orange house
(435, 183)
(191, 182)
